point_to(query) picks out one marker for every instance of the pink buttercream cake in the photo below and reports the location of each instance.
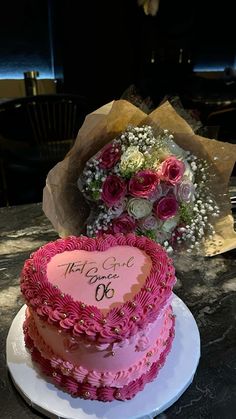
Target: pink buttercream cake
(99, 319)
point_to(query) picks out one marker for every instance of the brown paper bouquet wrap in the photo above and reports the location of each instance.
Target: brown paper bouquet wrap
(65, 205)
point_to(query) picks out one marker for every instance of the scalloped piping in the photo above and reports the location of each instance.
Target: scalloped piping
(95, 378)
(87, 321)
(88, 391)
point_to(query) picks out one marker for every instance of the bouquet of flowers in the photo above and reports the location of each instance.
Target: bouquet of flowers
(145, 183)
(148, 174)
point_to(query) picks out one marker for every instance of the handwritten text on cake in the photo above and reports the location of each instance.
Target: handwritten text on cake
(90, 270)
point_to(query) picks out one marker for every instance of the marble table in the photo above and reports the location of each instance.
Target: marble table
(207, 286)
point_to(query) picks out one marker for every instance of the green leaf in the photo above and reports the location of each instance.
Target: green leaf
(186, 213)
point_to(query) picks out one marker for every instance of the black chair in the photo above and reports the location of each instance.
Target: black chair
(36, 133)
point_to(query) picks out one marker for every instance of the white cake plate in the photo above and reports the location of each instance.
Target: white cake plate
(172, 380)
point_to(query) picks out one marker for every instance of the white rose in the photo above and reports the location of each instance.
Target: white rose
(139, 208)
(132, 160)
(169, 225)
(188, 172)
(176, 149)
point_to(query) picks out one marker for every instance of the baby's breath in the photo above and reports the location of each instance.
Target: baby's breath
(143, 149)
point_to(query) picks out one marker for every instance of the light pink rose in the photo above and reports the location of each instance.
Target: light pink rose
(165, 208)
(119, 207)
(156, 194)
(172, 170)
(149, 223)
(109, 156)
(113, 190)
(185, 191)
(168, 189)
(123, 224)
(143, 184)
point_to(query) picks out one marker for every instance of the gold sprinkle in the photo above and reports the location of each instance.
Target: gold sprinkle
(121, 313)
(82, 305)
(112, 353)
(117, 330)
(149, 353)
(92, 314)
(81, 321)
(148, 289)
(150, 306)
(86, 394)
(64, 315)
(104, 321)
(62, 295)
(133, 304)
(54, 374)
(117, 395)
(148, 364)
(134, 318)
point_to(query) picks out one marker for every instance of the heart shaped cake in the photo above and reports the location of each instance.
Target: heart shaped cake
(99, 319)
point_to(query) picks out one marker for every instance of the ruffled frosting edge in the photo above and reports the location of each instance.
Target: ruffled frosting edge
(87, 321)
(85, 389)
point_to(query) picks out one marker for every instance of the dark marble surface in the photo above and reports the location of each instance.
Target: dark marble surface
(207, 286)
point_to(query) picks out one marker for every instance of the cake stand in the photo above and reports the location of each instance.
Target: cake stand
(172, 380)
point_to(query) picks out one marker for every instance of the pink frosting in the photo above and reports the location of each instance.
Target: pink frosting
(105, 387)
(113, 358)
(104, 278)
(88, 321)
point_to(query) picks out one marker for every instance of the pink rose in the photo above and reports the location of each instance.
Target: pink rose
(109, 156)
(113, 190)
(172, 170)
(143, 184)
(123, 224)
(167, 207)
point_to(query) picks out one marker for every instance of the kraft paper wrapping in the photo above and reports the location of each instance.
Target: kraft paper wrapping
(67, 209)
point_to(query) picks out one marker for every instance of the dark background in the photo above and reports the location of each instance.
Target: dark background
(99, 48)
(114, 44)
(97, 51)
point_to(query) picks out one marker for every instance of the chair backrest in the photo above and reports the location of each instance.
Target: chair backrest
(35, 133)
(49, 122)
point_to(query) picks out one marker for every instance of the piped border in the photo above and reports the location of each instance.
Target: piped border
(104, 393)
(88, 321)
